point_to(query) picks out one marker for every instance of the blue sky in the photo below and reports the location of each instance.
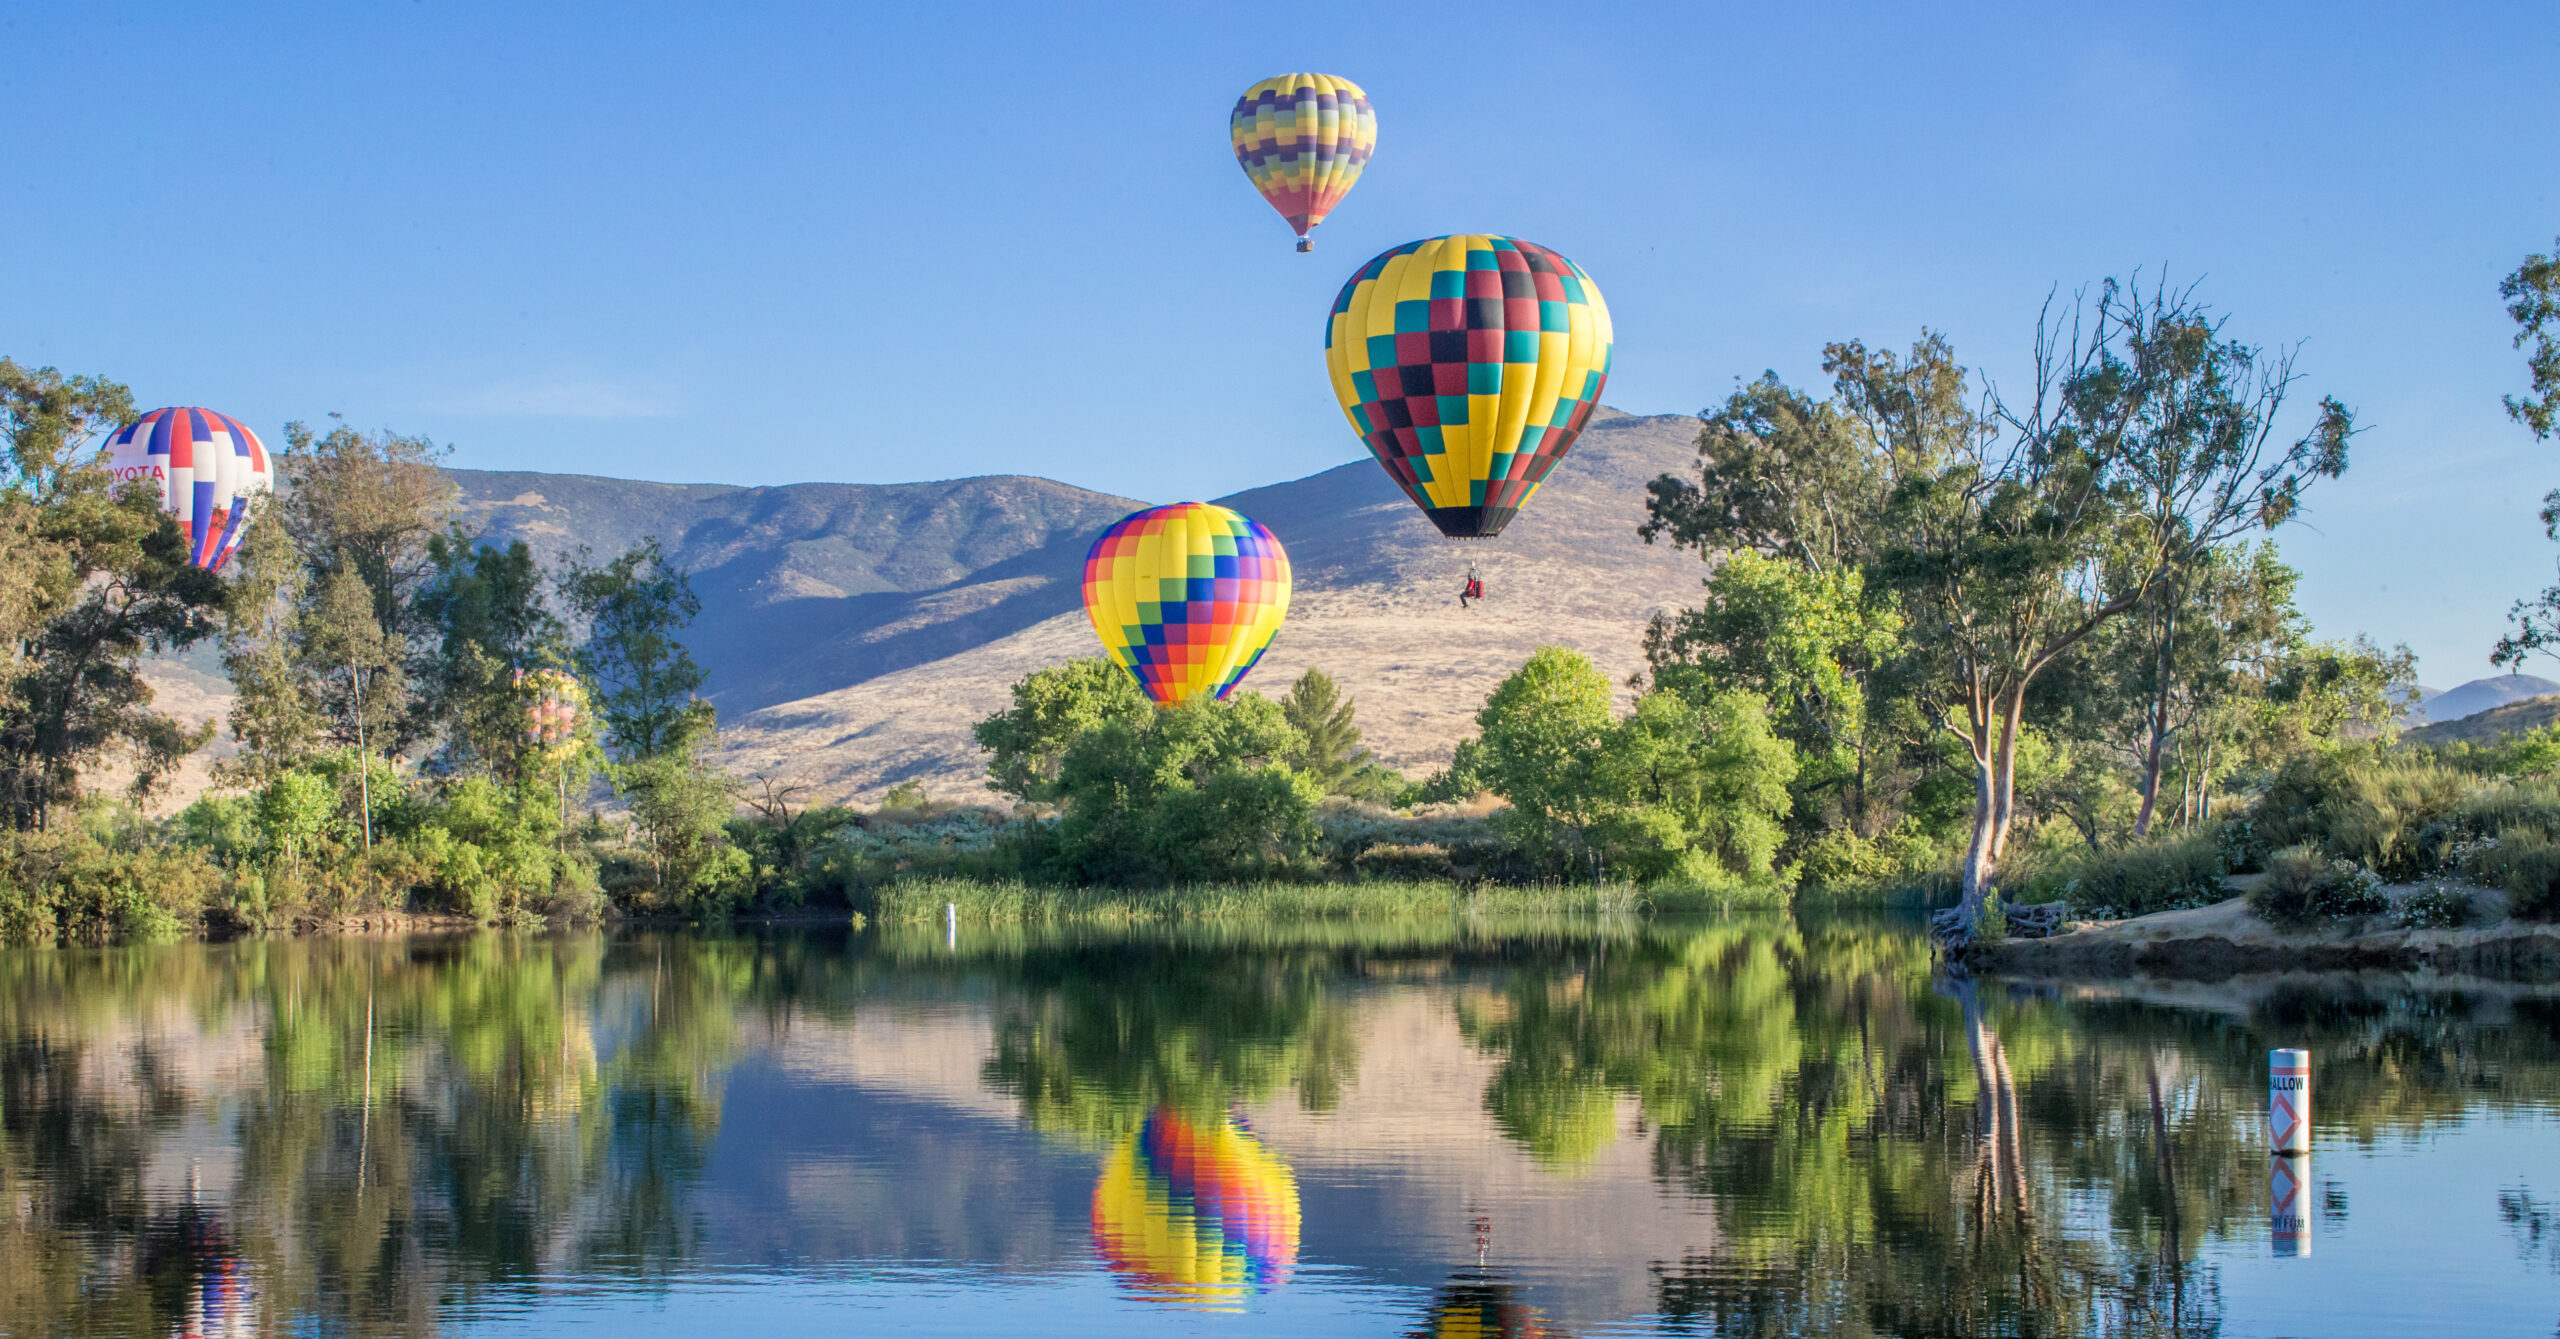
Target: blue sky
(761, 244)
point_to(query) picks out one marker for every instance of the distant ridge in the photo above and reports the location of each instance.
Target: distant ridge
(2480, 695)
(2485, 727)
(854, 632)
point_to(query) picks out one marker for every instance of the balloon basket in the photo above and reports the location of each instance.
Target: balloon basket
(1306, 244)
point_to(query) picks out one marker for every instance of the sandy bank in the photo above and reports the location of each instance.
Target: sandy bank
(2227, 939)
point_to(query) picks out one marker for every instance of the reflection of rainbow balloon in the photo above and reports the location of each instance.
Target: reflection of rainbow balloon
(205, 467)
(221, 1302)
(1481, 1307)
(1199, 1215)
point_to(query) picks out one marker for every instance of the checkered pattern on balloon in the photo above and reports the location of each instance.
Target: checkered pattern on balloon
(1469, 364)
(1303, 139)
(1186, 597)
(554, 701)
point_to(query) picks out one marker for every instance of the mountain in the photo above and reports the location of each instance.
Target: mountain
(1375, 607)
(853, 632)
(2483, 727)
(2480, 695)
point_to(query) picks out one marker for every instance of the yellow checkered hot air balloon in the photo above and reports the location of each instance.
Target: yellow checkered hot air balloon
(1303, 138)
(1186, 597)
(1469, 364)
(1196, 1213)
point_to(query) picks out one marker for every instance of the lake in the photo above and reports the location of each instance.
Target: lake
(1618, 1127)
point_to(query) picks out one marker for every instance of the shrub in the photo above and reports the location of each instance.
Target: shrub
(2433, 908)
(2525, 861)
(2173, 873)
(1403, 864)
(2304, 886)
(67, 888)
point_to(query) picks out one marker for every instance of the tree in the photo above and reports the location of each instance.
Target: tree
(1810, 642)
(342, 633)
(1315, 707)
(2169, 672)
(1192, 791)
(634, 606)
(487, 611)
(1027, 742)
(91, 578)
(2533, 301)
(1545, 731)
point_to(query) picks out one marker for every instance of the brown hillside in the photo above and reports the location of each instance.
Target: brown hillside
(854, 632)
(1375, 607)
(2488, 727)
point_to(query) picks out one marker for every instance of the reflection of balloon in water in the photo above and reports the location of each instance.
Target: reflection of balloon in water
(219, 1300)
(1477, 1306)
(1469, 365)
(206, 465)
(1186, 597)
(1193, 1213)
(1303, 138)
(553, 699)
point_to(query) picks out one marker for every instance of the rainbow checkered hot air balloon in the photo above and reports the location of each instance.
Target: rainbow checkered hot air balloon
(1479, 1306)
(1469, 364)
(553, 700)
(1186, 597)
(206, 467)
(1303, 138)
(1197, 1214)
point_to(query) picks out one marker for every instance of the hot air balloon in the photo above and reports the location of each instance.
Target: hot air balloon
(1477, 1305)
(1186, 597)
(553, 699)
(1469, 364)
(1303, 138)
(1196, 1213)
(206, 465)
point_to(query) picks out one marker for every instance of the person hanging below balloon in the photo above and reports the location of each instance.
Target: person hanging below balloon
(1303, 139)
(1469, 365)
(1473, 590)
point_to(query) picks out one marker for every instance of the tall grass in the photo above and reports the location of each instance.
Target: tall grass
(982, 902)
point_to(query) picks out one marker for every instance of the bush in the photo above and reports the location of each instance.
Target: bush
(2523, 860)
(2174, 873)
(2433, 908)
(1403, 864)
(67, 888)
(2304, 886)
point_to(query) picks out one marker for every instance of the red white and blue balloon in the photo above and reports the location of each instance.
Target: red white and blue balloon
(206, 467)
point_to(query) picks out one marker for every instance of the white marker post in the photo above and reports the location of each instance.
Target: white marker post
(2289, 1101)
(951, 925)
(2289, 1205)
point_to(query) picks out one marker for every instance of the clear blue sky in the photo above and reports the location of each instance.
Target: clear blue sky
(761, 244)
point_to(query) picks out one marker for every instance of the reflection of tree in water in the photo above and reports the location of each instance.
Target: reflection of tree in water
(1481, 1304)
(1091, 1037)
(414, 1123)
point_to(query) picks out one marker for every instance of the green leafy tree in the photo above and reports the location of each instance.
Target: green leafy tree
(91, 578)
(492, 622)
(2533, 301)
(1027, 742)
(1542, 747)
(1317, 709)
(635, 606)
(1194, 791)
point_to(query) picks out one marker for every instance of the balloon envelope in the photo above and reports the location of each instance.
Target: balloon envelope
(1186, 597)
(1195, 1212)
(206, 466)
(1469, 364)
(553, 701)
(1303, 139)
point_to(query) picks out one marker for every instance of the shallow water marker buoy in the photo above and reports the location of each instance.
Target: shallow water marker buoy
(2289, 1205)
(951, 925)
(2289, 1101)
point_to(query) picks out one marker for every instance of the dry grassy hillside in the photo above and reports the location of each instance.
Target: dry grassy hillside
(1376, 607)
(854, 632)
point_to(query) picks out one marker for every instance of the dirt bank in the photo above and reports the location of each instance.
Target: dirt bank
(2227, 939)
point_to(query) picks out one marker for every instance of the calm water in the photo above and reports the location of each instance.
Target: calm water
(1755, 1129)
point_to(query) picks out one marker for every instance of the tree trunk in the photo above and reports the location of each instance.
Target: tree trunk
(2004, 796)
(2155, 761)
(364, 761)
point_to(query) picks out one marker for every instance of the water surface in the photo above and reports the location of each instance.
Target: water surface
(1757, 1128)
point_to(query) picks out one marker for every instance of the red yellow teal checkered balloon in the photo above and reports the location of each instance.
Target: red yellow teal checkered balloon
(1469, 364)
(1186, 597)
